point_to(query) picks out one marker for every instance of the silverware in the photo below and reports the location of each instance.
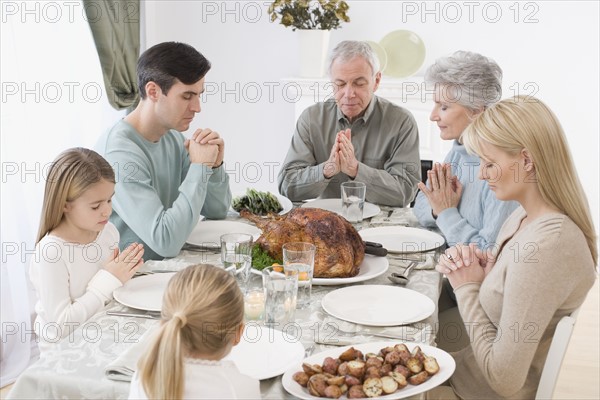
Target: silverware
(147, 314)
(402, 279)
(363, 333)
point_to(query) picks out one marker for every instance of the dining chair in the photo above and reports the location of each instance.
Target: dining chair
(426, 165)
(556, 354)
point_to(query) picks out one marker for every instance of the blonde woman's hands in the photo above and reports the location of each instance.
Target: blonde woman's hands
(124, 265)
(465, 264)
(444, 191)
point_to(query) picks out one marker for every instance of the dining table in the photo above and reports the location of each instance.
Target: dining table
(76, 366)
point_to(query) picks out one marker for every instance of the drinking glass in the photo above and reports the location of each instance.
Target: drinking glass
(353, 200)
(299, 259)
(280, 297)
(236, 256)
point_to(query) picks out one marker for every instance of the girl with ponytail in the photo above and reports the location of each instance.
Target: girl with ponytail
(202, 319)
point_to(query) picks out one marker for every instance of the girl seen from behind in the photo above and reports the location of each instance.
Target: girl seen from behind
(77, 263)
(545, 261)
(202, 319)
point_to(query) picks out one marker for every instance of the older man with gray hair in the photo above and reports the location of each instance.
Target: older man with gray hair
(359, 137)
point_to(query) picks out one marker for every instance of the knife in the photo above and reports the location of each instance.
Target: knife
(375, 249)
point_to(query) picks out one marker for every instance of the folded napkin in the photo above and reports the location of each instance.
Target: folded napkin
(337, 332)
(124, 366)
(425, 261)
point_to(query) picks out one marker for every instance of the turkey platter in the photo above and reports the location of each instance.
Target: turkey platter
(340, 249)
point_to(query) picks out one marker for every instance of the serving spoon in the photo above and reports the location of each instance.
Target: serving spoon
(402, 279)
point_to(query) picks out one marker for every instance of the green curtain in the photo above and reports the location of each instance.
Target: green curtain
(115, 27)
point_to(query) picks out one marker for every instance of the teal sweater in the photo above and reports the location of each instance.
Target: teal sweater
(160, 195)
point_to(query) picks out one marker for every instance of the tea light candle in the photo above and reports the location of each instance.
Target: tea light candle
(254, 304)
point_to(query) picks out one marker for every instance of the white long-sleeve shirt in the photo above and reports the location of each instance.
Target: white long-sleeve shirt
(70, 283)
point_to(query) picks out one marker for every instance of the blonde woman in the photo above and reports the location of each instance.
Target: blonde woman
(202, 319)
(545, 261)
(77, 263)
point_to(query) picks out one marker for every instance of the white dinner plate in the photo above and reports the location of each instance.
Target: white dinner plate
(335, 205)
(378, 305)
(144, 292)
(284, 201)
(401, 239)
(370, 268)
(445, 362)
(208, 233)
(265, 353)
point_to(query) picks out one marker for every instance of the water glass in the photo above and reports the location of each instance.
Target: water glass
(236, 256)
(280, 297)
(299, 260)
(353, 200)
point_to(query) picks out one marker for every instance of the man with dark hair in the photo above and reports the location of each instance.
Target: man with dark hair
(164, 181)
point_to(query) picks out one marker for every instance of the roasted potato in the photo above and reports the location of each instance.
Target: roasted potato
(399, 378)
(356, 392)
(393, 358)
(418, 378)
(352, 380)
(330, 365)
(336, 380)
(385, 369)
(401, 347)
(312, 369)
(349, 355)
(317, 385)
(414, 365)
(343, 368)
(401, 369)
(301, 377)
(333, 392)
(388, 385)
(372, 372)
(374, 362)
(356, 368)
(431, 365)
(373, 387)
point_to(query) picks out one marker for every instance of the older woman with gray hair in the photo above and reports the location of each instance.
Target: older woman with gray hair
(454, 200)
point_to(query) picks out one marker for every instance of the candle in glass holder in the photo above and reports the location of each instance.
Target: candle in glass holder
(254, 304)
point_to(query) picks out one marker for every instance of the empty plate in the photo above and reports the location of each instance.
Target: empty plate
(401, 239)
(208, 233)
(145, 292)
(378, 305)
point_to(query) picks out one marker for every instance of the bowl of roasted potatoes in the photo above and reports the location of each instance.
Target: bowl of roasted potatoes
(386, 370)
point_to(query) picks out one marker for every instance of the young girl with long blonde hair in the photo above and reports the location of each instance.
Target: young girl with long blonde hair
(202, 319)
(77, 263)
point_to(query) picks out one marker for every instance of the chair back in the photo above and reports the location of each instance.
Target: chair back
(556, 354)
(426, 165)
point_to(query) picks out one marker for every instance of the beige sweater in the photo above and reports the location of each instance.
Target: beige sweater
(543, 273)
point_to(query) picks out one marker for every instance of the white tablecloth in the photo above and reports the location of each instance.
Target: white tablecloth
(76, 368)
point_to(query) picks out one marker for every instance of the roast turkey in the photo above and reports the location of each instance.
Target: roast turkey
(340, 249)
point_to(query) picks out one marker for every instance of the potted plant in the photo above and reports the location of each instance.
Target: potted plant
(313, 19)
(310, 15)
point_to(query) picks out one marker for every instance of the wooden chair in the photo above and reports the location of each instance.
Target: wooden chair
(556, 354)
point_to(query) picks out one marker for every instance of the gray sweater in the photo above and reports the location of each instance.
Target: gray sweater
(386, 144)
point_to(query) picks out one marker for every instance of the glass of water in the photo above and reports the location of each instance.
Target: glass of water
(236, 256)
(353, 200)
(280, 291)
(299, 259)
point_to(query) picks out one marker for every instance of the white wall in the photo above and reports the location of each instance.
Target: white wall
(554, 56)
